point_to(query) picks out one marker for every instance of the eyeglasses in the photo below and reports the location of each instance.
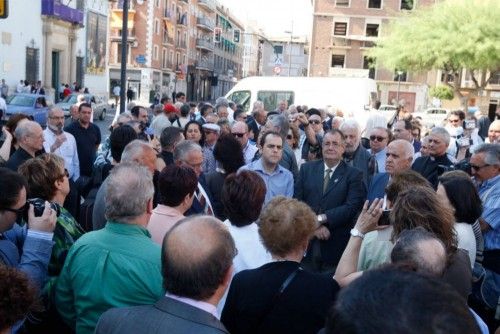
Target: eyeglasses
(315, 122)
(478, 167)
(207, 132)
(377, 138)
(239, 135)
(19, 212)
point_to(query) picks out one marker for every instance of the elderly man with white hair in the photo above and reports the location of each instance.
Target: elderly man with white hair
(30, 138)
(432, 166)
(355, 154)
(399, 157)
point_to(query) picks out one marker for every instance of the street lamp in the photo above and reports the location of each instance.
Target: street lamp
(289, 49)
(123, 65)
(400, 73)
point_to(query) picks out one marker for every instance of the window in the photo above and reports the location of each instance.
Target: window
(495, 80)
(369, 64)
(400, 77)
(340, 29)
(155, 52)
(376, 4)
(278, 49)
(157, 26)
(164, 58)
(447, 77)
(338, 61)
(157, 3)
(271, 98)
(342, 3)
(32, 59)
(406, 4)
(372, 30)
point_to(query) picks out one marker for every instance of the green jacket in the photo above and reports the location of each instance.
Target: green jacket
(114, 267)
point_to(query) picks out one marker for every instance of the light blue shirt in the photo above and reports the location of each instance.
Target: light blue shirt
(380, 157)
(489, 191)
(279, 182)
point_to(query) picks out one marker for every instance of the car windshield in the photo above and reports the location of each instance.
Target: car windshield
(70, 99)
(22, 100)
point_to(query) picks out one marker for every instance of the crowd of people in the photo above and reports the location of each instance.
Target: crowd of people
(200, 218)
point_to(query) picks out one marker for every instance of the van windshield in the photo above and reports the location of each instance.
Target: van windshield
(272, 98)
(241, 97)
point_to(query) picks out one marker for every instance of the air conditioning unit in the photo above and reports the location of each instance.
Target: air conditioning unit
(135, 44)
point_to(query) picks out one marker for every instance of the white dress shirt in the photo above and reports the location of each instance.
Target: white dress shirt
(67, 151)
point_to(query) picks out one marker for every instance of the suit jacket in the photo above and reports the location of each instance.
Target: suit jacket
(252, 125)
(360, 160)
(196, 208)
(166, 316)
(377, 186)
(431, 167)
(341, 202)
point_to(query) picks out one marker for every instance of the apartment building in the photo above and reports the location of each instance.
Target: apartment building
(156, 47)
(343, 32)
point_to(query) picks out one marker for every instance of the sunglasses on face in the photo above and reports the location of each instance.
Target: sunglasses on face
(19, 212)
(476, 167)
(239, 135)
(315, 122)
(377, 138)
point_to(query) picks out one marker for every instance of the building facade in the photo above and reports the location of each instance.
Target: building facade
(285, 56)
(343, 32)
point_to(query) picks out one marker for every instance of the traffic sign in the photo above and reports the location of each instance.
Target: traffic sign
(277, 69)
(140, 59)
(4, 9)
(278, 61)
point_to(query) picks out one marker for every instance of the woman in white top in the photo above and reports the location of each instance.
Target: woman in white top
(457, 190)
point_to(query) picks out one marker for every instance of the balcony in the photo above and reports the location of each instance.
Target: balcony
(56, 9)
(117, 18)
(207, 4)
(204, 23)
(205, 64)
(204, 44)
(168, 40)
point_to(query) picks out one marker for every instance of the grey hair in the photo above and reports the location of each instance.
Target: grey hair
(123, 204)
(183, 149)
(407, 147)
(52, 108)
(442, 132)
(124, 118)
(280, 123)
(258, 105)
(135, 150)
(491, 153)
(350, 123)
(24, 128)
(407, 250)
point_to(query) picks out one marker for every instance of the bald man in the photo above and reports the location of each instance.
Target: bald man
(30, 138)
(494, 132)
(399, 157)
(197, 260)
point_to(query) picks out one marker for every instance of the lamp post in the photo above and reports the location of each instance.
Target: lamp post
(123, 65)
(400, 73)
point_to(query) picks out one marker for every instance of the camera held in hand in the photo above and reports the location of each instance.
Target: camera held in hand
(39, 206)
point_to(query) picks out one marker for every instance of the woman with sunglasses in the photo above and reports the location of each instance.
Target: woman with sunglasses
(48, 181)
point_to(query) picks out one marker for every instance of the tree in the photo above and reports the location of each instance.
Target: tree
(450, 35)
(442, 92)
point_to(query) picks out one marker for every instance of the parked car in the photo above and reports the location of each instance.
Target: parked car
(432, 116)
(33, 105)
(99, 105)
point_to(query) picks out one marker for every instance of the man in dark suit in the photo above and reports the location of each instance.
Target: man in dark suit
(432, 166)
(29, 135)
(257, 119)
(336, 193)
(191, 251)
(399, 158)
(189, 154)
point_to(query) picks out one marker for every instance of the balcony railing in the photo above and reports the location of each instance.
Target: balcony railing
(206, 64)
(208, 4)
(204, 44)
(57, 9)
(203, 22)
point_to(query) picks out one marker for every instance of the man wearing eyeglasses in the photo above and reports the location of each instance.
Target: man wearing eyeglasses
(26, 248)
(379, 137)
(240, 131)
(485, 167)
(212, 132)
(437, 162)
(60, 142)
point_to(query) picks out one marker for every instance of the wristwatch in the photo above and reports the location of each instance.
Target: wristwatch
(355, 233)
(321, 219)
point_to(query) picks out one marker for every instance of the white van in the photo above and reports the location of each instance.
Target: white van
(353, 96)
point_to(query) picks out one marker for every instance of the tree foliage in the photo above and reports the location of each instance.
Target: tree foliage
(450, 35)
(442, 92)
